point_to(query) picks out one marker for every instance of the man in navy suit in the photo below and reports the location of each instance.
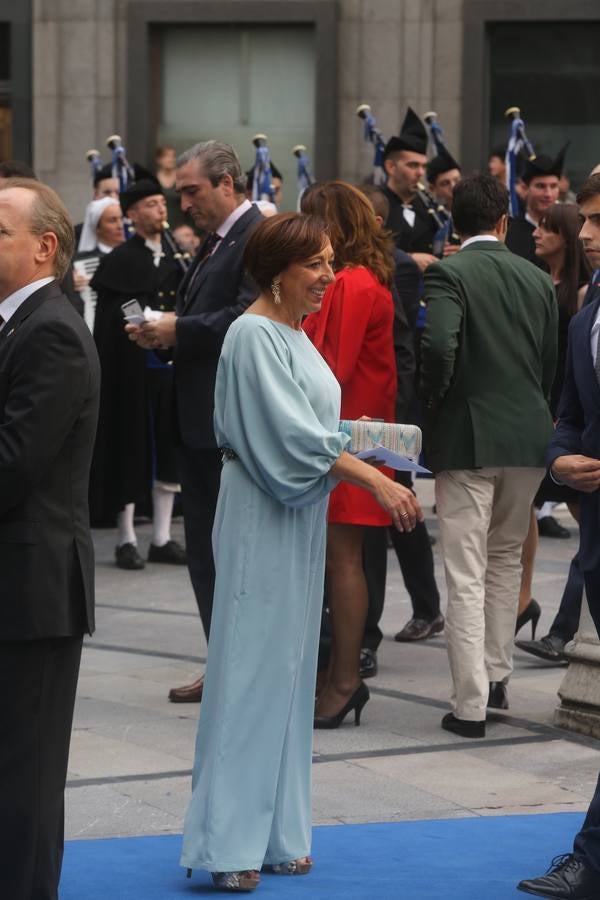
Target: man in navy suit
(574, 459)
(211, 184)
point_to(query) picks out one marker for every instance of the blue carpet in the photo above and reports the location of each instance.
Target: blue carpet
(450, 859)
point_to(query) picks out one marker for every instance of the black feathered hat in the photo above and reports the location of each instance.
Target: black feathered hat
(441, 163)
(412, 137)
(145, 187)
(544, 165)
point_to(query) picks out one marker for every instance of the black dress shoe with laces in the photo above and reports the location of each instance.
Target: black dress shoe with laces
(551, 647)
(368, 663)
(463, 727)
(127, 557)
(498, 696)
(567, 878)
(549, 527)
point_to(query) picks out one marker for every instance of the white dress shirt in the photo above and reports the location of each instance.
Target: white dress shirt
(478, 237)
(593, 335)
(224, 229)
(9, 306)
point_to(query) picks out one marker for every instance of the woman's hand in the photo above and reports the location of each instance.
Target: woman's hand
(399, 502)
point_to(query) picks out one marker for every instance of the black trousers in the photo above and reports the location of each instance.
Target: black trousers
(200, 478)
(587, 842)
(566, 621)
(415, 558)
(38, 680)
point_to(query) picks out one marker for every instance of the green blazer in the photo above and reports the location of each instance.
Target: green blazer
(488, 357)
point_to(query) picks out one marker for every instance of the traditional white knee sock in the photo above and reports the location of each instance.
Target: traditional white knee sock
(162, 502)
(544, 510)
(126, 531)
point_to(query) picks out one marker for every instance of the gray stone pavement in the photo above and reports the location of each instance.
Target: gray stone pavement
(132, 750)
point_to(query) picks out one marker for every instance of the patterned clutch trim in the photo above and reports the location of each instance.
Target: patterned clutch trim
(406, 440)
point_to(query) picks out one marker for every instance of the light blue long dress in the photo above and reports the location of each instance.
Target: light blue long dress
(277, 405)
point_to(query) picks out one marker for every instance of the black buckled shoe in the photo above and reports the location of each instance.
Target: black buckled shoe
(463, 727)
(567, 878)
(127, 557)
(549, 527)
(498, 696)
(171, 552)
(368, 663)
(420, 629)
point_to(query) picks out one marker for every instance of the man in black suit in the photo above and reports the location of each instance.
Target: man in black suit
(49, 389)
(214, 292)
(574, 458)
(413, 549)
(541, 176)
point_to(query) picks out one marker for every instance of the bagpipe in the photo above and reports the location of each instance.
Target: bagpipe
(373, 135)
(435, 133)
(439, 214)
(518, 144)
(95, 161)
(305, 176)
(125, 173)
(445, 217)
(262, 185)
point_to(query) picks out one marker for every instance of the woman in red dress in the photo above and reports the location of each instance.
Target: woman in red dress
(354, 333)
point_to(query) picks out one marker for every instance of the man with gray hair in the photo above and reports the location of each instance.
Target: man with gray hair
(211, 184)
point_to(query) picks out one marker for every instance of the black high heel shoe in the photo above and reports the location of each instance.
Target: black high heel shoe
(531, 613)
(356, 703)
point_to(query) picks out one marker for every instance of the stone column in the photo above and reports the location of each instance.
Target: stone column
(579, 708)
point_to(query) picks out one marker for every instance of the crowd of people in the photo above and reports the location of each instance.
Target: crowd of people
(254, 333)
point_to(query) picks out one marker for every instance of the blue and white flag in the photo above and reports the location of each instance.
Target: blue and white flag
(373, 135)
(517, 143)
(305, 175)
(262, 185)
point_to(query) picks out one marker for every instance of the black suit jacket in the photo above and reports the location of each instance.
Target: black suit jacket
(578, 428)
(49, 389)
(519, 240)
(419, 238)
(220, 294)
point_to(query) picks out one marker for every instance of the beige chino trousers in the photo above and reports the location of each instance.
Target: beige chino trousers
(484, 517)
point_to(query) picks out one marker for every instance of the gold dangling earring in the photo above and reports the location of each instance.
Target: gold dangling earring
(276, 291)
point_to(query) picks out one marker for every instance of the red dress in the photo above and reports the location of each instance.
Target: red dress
(353, 331)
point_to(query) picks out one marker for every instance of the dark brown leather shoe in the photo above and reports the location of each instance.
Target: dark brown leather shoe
(189, 693)
(420, 629)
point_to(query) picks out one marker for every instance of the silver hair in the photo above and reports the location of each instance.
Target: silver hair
(216, 159)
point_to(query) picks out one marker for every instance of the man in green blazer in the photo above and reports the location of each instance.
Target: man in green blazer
(488, 360)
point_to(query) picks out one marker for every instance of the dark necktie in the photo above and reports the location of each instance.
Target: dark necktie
(205, 251)
(597, 360)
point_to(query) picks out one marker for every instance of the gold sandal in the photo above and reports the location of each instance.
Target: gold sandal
(236, 881)
(300, 866)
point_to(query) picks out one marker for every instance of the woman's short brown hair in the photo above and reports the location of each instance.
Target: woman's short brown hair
(279, 241)
(355, 235)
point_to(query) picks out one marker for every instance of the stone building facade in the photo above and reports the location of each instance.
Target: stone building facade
(93, 72)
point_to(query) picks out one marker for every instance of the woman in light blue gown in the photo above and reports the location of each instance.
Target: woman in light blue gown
(276, 418)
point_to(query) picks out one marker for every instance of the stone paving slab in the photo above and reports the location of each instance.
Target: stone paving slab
(132, 750)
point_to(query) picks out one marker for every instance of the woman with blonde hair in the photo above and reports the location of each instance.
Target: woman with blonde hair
(353, 331)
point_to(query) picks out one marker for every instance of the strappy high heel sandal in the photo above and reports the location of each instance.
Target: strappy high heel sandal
(236, 881)
(293, 867)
